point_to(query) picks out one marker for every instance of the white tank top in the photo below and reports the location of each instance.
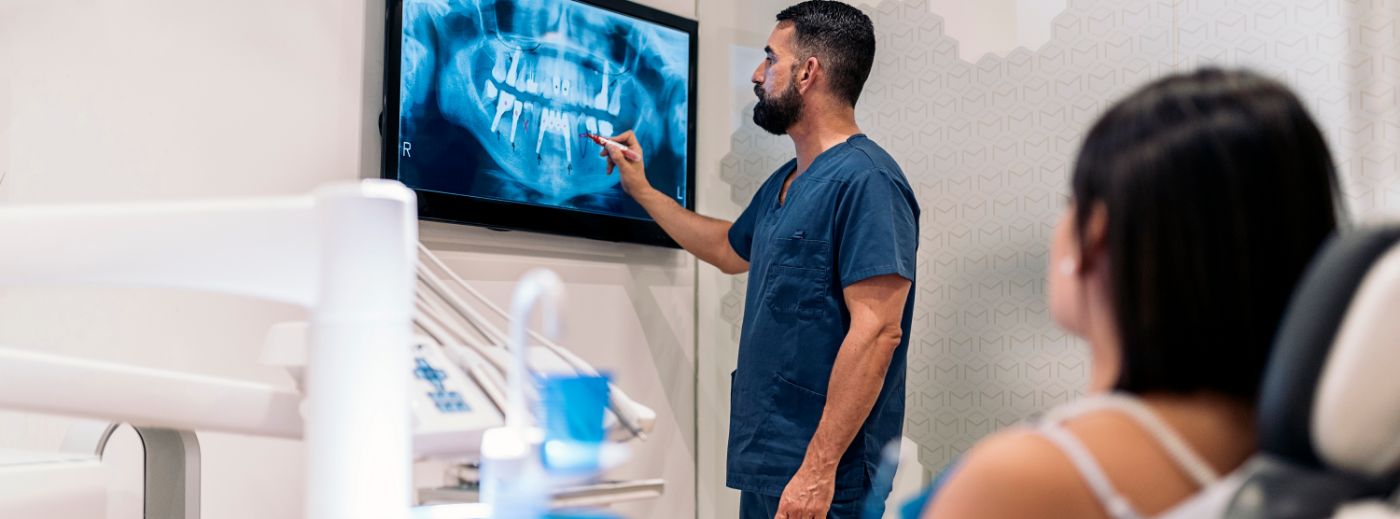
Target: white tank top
(1210, 501)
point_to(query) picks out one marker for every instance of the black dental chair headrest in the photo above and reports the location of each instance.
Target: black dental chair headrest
(1317, 343)
(1329, 406)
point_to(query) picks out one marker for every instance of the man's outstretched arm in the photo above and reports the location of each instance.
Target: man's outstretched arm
(707, 238)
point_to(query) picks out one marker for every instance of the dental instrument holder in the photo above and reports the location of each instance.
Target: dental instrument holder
(509, 455)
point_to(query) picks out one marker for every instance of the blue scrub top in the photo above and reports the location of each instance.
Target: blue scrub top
(849, 217)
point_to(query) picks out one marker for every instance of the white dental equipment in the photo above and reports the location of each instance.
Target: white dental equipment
(347, 254)
(478, 346)
(456, 319)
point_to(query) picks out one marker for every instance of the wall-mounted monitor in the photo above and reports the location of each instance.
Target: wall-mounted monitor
(487, 102)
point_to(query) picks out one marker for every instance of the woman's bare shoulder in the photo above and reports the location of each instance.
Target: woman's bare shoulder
(1014, 474)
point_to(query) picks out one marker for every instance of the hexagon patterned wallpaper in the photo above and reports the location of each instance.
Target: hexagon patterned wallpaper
(988, 146)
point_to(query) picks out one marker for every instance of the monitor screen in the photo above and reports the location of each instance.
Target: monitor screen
(488, 103)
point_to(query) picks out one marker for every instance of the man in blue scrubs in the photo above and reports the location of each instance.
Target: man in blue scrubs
(829, 244)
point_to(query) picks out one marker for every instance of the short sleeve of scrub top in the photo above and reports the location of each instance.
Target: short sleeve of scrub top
(877, 230)
(741, 233)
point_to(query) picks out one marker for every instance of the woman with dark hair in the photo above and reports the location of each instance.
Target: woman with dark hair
(1197, 203)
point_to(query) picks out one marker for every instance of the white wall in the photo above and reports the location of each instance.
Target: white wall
(996, 26)
(120, 100)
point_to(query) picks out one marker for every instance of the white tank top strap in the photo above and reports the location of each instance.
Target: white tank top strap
(1180, 452)
(1113, 502)
(1177, 449)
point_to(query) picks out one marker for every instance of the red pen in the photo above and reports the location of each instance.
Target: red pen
(609, 143)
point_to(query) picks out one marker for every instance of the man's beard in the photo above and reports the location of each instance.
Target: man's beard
(775, 114)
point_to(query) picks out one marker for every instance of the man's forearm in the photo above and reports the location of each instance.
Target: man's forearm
(707, 238)
(856, 380)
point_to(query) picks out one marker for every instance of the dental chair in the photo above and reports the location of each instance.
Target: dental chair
(1329, 408)
(375, 298)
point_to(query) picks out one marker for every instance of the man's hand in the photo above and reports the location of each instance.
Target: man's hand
(808, 494)
(634, 175)
(707, 238)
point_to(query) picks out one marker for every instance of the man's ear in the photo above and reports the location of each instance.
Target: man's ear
(807, 74)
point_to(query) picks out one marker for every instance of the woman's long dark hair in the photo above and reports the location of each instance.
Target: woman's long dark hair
(1219, 189)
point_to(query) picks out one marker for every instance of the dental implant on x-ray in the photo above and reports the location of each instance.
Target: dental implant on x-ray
(526, 78)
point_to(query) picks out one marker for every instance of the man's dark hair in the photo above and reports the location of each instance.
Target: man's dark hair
(841, 37)
(1219, 189)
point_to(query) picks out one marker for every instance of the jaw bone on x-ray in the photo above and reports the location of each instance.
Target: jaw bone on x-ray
(495, 95)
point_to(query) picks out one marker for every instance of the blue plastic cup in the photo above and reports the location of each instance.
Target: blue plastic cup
(574, 409)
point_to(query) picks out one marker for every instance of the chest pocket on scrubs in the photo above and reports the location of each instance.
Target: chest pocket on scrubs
(798, 277)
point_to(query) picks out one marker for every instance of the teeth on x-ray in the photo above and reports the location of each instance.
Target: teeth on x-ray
(505, 104)
(616, 105)
(555, 88)
(514, 69)
(556, 123)
(600, 102)
(515, 121)
(498, 71)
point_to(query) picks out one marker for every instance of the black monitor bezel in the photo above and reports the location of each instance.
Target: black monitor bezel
(501, 215)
